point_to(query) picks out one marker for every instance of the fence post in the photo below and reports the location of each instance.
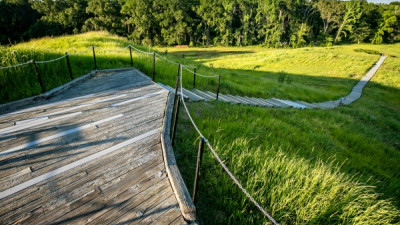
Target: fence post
(154, 65)
(194, 78)
(69, 66)
(176, 91)
(38, 75)
(94, 58)
(219, 83)
(175, 121)
(130, 53)
(198, 167)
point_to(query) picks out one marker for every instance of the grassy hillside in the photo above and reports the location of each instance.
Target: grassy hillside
(306, 166)
(314, 166)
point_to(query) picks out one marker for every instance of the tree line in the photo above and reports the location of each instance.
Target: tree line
(273, 23)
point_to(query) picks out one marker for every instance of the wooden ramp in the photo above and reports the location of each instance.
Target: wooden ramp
(89, 155)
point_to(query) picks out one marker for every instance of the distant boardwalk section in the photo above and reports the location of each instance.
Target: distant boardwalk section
(91, 154)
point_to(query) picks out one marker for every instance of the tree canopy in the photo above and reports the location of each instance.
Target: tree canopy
(276, 23)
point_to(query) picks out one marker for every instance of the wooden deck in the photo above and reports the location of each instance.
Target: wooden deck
(89, 155)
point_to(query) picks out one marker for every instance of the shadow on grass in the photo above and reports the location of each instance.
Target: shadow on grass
(206, 54)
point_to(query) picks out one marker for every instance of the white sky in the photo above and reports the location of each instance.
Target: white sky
(381, 1)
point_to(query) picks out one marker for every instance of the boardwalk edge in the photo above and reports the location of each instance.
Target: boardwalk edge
(20, 103)
(178, 185)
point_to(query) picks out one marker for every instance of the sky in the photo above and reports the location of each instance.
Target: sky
(380, 1)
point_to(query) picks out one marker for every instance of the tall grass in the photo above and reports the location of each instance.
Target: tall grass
(22, 82)
(300, 175)
(339, 166)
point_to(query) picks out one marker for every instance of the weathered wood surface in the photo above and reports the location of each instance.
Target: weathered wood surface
(177, 183)
(91, 154)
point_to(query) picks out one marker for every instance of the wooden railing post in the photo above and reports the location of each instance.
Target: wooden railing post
(194, 78)
(94, 58)
(69, 66)
(176, 91)
(198, 167)
(219, 83)
(130, 53)
(38, 75)
(154, 65)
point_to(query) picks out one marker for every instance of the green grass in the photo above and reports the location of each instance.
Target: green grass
(339, 166)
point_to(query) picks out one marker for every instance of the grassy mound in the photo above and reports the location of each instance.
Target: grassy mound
(339, 166)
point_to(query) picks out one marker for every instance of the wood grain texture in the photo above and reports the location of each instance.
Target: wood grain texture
(80, 170)
(182, 194)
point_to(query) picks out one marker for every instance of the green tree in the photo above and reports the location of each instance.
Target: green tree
(70, 14)
(16, 16)
(139, 20)
(350, 17)
(105, 15)
(386, 27)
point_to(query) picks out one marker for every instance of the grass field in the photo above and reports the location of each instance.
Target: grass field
(339, 166)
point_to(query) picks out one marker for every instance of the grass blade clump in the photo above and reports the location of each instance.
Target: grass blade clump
(298, 191)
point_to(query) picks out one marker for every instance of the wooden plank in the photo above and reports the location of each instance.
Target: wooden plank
(120, 185)
(64, 185)
(160, 210)
(97, 206)
(168, 217)
(127, 204)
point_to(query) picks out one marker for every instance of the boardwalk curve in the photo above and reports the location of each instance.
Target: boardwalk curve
(92, 154)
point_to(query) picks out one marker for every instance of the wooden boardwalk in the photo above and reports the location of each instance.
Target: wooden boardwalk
(355, 94)
(89, 155)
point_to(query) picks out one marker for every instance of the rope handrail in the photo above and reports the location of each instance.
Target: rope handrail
(148, 53)
(221, 162)
(51, 60)
(198, 74)
(16, 65)
(162, 57)
(118, 50)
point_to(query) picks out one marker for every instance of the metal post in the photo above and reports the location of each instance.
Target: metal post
(175, 121)
(176, 90)
(194, 78)
(130, 52)
(69, 66)
(154, 65)
(38, 75)
(198, 167)
(94, 58)
(219, 83)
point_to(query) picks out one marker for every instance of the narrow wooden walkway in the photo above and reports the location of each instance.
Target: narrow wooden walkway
(89, 155)
(197, 95)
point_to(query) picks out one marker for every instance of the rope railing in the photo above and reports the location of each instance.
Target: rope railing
(266, 214)
(51, 60)
(162, 57)
(198, 74)
(16, 65)
(180, 69)
(138, 50)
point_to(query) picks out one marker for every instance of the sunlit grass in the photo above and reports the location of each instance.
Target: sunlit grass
(339, 166)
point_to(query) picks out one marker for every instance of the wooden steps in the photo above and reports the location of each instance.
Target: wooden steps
(198, 95)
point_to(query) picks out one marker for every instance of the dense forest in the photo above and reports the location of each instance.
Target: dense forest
(275, 23)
